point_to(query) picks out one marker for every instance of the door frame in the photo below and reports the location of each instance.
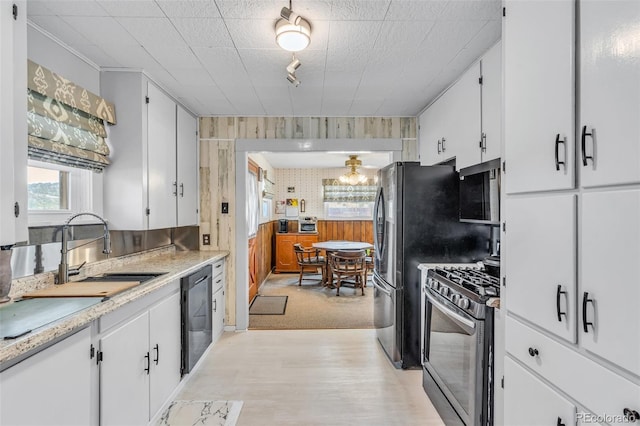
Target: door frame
(242, 149)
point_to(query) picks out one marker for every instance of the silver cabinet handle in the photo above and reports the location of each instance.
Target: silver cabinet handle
(182, 190)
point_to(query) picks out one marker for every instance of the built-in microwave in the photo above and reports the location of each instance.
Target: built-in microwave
(480, 193)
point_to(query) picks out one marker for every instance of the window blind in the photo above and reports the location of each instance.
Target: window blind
(66, 121)
(334, 190)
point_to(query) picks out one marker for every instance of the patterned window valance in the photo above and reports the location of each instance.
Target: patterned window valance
(334, 190)
(65, 121)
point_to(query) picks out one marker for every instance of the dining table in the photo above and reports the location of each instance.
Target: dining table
(334, 246)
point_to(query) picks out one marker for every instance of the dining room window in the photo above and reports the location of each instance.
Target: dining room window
(343, 201)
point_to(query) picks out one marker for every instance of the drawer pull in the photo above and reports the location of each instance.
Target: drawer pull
(439, 150)
(533, 352)
(585, 322)
(631, 415)
(559, 422)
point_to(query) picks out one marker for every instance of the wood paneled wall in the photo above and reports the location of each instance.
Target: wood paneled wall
(265, 250)
(351, 230)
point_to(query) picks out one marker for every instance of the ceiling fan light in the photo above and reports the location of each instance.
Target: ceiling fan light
(293, 38)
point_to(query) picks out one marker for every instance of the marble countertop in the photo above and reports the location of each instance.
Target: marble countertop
(173, 265)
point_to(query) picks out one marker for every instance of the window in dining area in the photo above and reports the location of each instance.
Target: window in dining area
(344, 201)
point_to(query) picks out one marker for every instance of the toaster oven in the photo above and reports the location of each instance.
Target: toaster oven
(308, 225)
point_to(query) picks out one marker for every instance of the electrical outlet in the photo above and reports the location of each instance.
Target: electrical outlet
(225, 208)
(206, 239)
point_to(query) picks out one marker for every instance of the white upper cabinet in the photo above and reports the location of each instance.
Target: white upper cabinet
(539, 42)
(491, 64)
(610, 271)
(13, 132)
(541, 278)
(609, 120)
(187, 161)
(463, 131)
(161, 147)
(430, 132)
(149, 184)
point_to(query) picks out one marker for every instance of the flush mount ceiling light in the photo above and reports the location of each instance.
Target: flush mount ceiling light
(293, 32)
(352, 177)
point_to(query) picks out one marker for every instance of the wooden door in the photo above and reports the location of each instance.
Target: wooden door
(253, 269)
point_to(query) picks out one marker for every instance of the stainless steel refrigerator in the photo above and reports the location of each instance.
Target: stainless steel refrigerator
(416, 220)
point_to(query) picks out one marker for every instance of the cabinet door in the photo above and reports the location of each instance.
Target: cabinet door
(218, 313)
(540, 236)
(52, 387)
(492, 103)
(161, 154)
(464, 108)
(285, 257)
(13, 132)
(610, 274)
(124, 374)
(164, 344)
(538, 42)
(187, 160)
(430, 135)
(528, 401)
(609, 92)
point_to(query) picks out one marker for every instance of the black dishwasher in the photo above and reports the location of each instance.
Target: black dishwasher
(196, 316)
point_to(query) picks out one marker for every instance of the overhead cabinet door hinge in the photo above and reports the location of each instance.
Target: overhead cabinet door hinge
(480, 80)
(504, 166)
(504, 11)
(502, 382)
(146, 99)
(504, 226)
(15, 12)
(92, 352)
(99, 357)
(148, 211)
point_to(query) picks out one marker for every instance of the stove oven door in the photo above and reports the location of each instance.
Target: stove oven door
(453, 355)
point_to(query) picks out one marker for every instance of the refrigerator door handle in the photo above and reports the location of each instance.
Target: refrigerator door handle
(379, 221)
(378, 285)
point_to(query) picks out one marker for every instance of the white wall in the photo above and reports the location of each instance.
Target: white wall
(46, 51)
(308, 186)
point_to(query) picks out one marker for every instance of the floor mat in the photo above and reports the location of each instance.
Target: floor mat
(268, 305)
(208, 413)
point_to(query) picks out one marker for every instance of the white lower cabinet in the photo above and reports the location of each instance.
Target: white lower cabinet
(218, 299)
(610, 276)
(529, 401)
(588, 383)
(140, 365)
(541, 279)
(52, 387)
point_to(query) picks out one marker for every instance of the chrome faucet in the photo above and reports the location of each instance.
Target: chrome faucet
(63, 268)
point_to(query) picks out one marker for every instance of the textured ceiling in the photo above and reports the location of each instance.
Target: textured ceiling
(366, 57)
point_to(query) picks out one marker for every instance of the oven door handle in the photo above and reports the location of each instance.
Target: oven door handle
(448, 312)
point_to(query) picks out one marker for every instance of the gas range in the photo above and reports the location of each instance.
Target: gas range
(468, 287)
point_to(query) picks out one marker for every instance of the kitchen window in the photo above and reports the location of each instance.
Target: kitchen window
(55, 192)
(348, 201)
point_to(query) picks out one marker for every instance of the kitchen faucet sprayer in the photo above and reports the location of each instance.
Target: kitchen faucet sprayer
(63, 268)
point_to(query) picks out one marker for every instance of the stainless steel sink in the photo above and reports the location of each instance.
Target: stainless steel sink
(124, 276)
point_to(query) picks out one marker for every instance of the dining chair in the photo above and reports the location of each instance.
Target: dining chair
(308, 259)
(348, 264)
(369, 262)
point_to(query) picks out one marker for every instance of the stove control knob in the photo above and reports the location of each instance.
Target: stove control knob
(434, 285)
(444, 291)
(463, 303)
(455, 297)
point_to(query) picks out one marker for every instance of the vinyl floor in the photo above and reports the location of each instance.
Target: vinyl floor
(310, 377)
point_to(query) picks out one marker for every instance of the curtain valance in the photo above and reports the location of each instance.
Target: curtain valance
(334, 190)
(65, 121)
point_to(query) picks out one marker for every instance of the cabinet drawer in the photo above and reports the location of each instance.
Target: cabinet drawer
(593, 386)
(218, 281)
(218, 268)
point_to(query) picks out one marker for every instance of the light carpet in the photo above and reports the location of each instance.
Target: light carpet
(312, 306)
(206, 413)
